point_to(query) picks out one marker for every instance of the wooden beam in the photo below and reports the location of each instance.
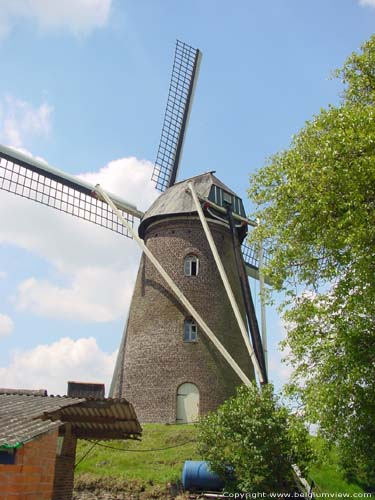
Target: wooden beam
(89, 419)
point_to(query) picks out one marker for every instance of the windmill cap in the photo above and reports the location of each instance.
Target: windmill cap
(177, 199)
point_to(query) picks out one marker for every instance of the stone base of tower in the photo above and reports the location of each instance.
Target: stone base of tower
(156, 400)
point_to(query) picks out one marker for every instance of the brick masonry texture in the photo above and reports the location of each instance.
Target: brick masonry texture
(64, 471)
(32, 475)
(38, 474)
(156, 360)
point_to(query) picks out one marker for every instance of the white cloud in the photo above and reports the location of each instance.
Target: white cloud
(3, 275)
(26, 152)
(5, 25)
(279, 371)
(75, 16)
(21, 121)
(51, 366)
(367, 3)
(129, 178)
(6, 325)
(94, 269)
(94, 295)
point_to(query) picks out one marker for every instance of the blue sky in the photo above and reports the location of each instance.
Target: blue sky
(84, 86)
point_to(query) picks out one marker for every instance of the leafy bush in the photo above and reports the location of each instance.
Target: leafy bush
(252, 441)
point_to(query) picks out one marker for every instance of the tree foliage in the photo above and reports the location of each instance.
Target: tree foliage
(316, 206)
(255, 438)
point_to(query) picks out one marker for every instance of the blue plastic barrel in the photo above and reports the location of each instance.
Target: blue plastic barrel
(196, 476)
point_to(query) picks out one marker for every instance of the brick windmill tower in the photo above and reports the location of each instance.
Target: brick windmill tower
(192, 334)
(166, 365)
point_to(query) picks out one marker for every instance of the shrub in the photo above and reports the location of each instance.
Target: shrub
(252, 441)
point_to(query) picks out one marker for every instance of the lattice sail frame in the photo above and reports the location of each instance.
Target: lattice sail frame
(181, 89)
(251, 258)
(32, 179)
(250, 255)
(39, 182)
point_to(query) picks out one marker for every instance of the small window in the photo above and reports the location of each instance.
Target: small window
(227, 198)
(7, 456)
(191, 265)
(190, 331)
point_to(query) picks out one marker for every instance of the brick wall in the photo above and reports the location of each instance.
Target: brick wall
(32, 475)
(156, 359)
(64, 471)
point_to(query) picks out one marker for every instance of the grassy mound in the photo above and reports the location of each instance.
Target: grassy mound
(132, 468)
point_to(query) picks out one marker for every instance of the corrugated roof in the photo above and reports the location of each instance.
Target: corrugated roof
(99, 418)
(178, 199)
(25, 416)
(19, 416)
(36, 392)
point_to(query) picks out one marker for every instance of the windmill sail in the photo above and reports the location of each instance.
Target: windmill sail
(24, 176)
(180, 97)
(251, 259)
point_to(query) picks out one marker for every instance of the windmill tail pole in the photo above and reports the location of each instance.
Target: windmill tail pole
(256, 340)
(263, 305)
(180, 296)
(227, 286)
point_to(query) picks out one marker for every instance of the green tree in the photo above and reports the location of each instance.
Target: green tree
(316, 206)
(257, 439)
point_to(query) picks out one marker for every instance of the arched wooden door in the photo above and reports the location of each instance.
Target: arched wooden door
(187, 403)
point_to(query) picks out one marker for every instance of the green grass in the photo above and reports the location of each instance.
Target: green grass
(145, 467)
(327, 474)
(329, 480)
(151, 471)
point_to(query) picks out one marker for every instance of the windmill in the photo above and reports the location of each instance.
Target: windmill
(186, 343)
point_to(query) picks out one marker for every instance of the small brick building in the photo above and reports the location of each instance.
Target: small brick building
(38, 437)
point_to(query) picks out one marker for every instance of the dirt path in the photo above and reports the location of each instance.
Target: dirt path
(107, 495)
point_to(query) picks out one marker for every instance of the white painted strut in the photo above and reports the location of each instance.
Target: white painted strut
(226, 283)
(181, 297)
